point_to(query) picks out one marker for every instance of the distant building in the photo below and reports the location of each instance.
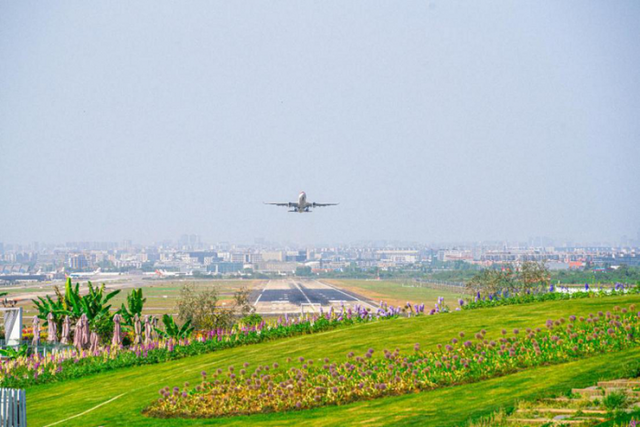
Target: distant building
(225, 267)
(200, 256)
(277, 267)
(78, 262)
(399, 256)
(274, 256)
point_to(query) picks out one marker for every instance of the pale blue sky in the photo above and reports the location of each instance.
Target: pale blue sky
(428, 121)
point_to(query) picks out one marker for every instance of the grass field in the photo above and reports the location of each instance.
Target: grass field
(397, 292)
(117, 398)
(161, 295)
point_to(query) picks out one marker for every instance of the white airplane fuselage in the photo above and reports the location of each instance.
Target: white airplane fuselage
(302, 203)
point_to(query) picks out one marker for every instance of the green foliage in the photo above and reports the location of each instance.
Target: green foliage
(527, 298)
(616, 400)
(12, 353)
(200, 308)
(135, 304)
(241, 298)
(457, 363)
(492, 281)
(172, 330)
(76, 368)
(93, 304)
(303, 271)
(253, 319)
(528, 277)
(46, 305)
(622, 274)
(73, 304)
(450, 406)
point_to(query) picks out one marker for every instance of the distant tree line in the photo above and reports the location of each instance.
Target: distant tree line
(606, 275)
(528, 277)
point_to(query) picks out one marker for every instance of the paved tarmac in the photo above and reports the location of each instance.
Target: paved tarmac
(295, 296)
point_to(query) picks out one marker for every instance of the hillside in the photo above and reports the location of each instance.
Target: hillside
(117, 398)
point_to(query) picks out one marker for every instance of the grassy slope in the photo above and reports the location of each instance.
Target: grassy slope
(395, 293)
(138, 386)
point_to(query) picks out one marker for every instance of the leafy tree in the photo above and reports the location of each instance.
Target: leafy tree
(492, 281)
(172, 330)
(533, 276)
(241, 298)
(303, 271)
(200, 308)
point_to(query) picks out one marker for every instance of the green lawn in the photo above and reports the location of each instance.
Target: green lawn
(117, 398)
(397, 292)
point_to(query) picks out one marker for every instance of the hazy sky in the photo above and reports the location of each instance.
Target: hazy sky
(427, 120)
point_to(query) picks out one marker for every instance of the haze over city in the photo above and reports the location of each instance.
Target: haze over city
(427, 121)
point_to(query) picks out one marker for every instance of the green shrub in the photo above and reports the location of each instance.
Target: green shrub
(252, 320)
(616, 400)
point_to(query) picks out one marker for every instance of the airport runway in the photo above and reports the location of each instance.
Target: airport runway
(307, 296)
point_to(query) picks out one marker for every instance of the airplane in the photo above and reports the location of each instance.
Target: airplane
(164, 273)
(85, 274)
(301, 206)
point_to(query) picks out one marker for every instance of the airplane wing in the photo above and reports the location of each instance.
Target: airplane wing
(287, 204)
(321, 205)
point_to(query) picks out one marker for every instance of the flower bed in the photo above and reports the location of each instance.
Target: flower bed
(70, 363)
(264, 389)
(553, 294)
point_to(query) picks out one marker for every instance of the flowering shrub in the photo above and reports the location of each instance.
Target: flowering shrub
(71, 363)
(471, 358)
(552, 294)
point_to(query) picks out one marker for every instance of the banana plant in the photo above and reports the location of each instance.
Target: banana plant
(94, 304)
(46, 305)
(172, 330)
(135, 303)
(12, 353)
(72, 304)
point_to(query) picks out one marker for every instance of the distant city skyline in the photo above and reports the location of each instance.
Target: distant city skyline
(197, 240)
(427, 121)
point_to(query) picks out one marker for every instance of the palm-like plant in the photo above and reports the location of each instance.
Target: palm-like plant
(14, 353)
(172, 330)
(135, 303)
(72, 304)
(46, 305)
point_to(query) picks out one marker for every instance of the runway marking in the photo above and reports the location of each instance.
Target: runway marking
(344, 293)
(303, 294)
(260, 296)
